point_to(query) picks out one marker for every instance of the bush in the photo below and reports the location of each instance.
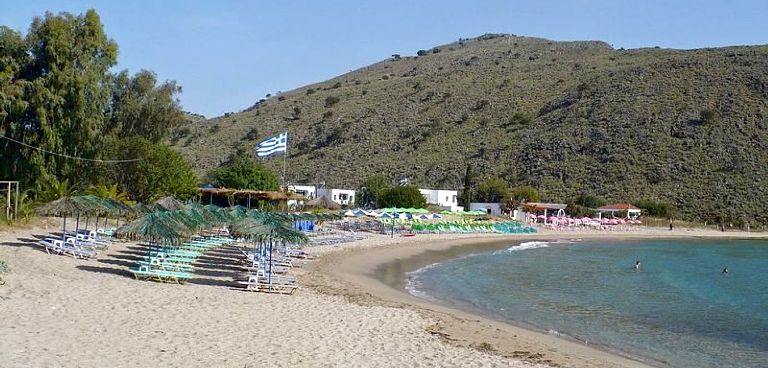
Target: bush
(589, 201)
(327, 115)
(331, 100)
(655, 208)
(520, 118)
(336, 85)
(421, 52)
(252, 134)
(522, 194)
(708, 116)
(243, 173)
(492, 190)
(407, 196)
(310, 91)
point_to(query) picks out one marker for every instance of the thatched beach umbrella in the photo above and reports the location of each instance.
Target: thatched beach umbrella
(269, 227)
(168, 204)
(323, 202)
(70, 206)
(154, 227)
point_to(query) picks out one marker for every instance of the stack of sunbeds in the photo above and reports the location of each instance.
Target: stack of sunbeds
(175, 263)
(83, 244)
(269, 272)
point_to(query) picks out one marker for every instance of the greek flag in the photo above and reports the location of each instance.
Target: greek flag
(276, 144)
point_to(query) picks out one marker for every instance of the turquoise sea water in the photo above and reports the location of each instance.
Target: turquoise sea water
(679, 310)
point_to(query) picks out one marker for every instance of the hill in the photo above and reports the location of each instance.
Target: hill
(683, 126)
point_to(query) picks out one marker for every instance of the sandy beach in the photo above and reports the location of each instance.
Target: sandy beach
(62, 312)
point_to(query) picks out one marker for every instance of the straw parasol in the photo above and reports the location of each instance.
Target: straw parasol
(71, 206)
(323, 202)
(155, 226)
(168, 204)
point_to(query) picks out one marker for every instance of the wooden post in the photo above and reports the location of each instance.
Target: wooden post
(16, 207)
(8, 203)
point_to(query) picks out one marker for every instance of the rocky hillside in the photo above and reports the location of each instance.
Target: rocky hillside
(683, 126)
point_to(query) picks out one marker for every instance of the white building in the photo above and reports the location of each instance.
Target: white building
(308, 191)
(442, 198)
(340, 196)
(489, 208)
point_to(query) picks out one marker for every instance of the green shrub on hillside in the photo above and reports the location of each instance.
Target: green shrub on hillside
(331, 100)
(407, 196)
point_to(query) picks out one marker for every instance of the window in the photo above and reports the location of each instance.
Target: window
(454, 199)
(334, 197)
(446, 198)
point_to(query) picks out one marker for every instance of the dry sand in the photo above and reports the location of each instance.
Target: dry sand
(61, 312)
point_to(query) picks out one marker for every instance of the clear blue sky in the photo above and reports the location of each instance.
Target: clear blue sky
(228, 54)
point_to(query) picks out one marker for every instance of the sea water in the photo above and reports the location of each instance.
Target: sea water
(678, 310)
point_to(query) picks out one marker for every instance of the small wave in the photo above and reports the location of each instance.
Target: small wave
(526, 246)
(413, 285)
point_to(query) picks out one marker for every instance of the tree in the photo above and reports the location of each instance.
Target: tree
(656, 208)
(493, 190)
(407, 196)
(159, 171)
(589, 201)
(56, 98)
(244, 173)
(57, 93)
(369, 193)
(140, 107)
(466, 194)
(523, 194)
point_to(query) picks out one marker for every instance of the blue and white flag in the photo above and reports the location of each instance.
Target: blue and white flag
(276, 144)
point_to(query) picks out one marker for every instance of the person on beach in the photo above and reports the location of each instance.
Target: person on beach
(637, 265)
(670, 224)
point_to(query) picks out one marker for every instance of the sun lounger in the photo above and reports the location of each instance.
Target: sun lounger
(260, 283)
(145, 272)
(57, 246)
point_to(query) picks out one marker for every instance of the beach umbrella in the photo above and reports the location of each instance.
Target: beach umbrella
(349, 213)
(436, 216)
(154, 227)
(270, 228)
(168, 204)
(323, 202)
(68, 207)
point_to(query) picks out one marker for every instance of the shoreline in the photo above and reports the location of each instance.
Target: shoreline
(351, 272)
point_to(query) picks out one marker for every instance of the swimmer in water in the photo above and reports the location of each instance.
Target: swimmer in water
(725, 270)
(637, 265)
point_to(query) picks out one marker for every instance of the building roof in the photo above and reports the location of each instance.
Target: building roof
(616, 207)
(544, 206)
(256, 194)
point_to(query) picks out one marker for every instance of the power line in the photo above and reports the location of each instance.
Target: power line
(69, 156)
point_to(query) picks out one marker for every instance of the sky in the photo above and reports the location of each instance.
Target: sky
(228, 54)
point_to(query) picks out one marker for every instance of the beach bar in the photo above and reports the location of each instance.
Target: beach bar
(630, 210)
(538, 207)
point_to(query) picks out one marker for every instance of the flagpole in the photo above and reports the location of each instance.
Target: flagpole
(285, 155)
